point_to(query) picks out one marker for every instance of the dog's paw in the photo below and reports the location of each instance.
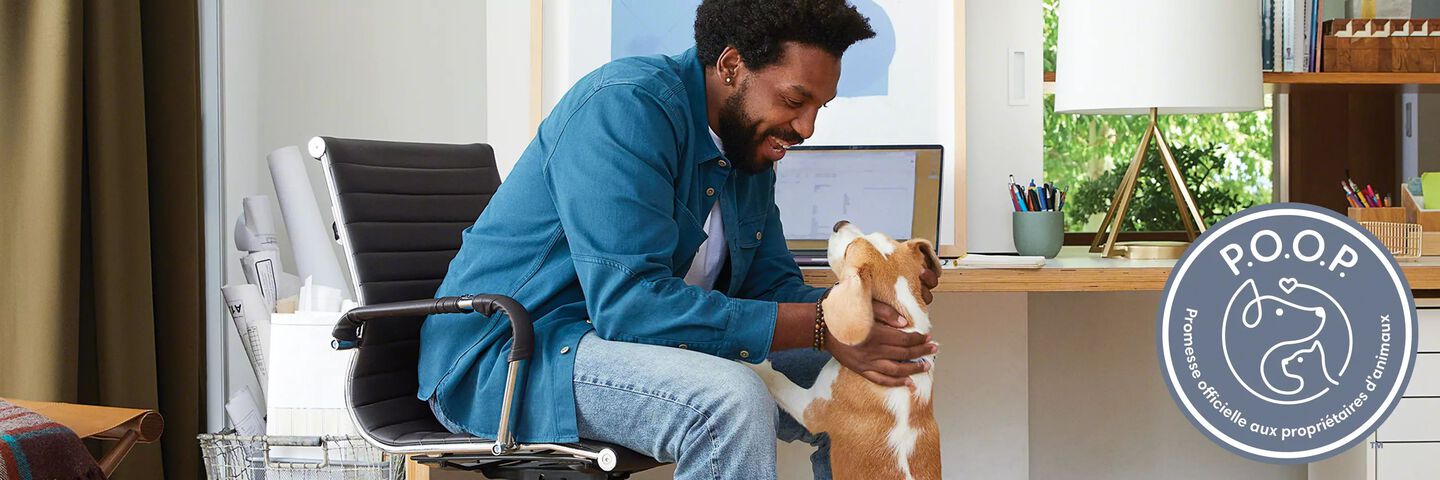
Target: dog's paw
(769, 375)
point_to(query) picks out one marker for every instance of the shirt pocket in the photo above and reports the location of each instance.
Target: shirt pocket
(748, 236)
(752, 231)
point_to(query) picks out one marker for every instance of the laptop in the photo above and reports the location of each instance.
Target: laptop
(893, 189)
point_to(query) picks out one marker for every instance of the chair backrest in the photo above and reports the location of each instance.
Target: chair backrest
(400, 209)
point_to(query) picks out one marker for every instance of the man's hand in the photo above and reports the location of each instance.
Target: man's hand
(883, 357)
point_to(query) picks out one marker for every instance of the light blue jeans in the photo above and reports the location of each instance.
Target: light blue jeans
(712, 417)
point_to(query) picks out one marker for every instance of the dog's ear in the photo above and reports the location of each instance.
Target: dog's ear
(848, 310)
(927, 253)
(1247, 299)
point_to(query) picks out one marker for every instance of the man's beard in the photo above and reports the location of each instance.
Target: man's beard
(740, 136)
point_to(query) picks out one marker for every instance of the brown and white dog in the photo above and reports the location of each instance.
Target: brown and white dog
(875, 432)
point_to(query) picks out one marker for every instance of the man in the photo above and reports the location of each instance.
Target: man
(640, 230)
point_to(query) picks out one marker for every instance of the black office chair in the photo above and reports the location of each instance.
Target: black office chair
(399, 212)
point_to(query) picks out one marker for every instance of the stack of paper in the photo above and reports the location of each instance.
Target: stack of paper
(975, 260)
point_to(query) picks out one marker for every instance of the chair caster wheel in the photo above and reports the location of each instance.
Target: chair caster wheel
(606, 460)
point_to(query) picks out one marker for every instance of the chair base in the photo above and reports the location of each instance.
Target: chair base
(527, 467)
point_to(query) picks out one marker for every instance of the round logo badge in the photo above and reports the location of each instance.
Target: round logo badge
(1286, 333)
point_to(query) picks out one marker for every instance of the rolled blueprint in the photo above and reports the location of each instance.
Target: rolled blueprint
(255, 229)
(262, 269)
(252, 320)
(309, 236)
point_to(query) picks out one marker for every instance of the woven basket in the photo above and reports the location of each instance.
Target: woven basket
(1401, 239)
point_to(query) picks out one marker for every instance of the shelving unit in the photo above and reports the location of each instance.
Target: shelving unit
(1337, 78)
(1352, 78)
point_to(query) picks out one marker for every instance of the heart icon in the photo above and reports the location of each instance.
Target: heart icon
(1288, 285)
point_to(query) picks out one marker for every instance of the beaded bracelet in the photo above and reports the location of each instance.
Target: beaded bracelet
(820, 328)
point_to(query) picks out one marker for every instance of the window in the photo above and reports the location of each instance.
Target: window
(1226, 159)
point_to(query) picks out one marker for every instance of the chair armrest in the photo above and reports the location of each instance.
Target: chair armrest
(348, 333)
(348, 330)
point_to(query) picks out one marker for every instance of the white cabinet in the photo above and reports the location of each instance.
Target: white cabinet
(1425, 382)
(1429, 324)
(1407, 445)
(1414, 420)
(1407, 461)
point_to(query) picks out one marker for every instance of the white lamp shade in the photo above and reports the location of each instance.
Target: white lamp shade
(1180, 56)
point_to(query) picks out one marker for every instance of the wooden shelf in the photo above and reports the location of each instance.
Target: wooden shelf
(1338, 78)
(1076, 270)
(1352, 78)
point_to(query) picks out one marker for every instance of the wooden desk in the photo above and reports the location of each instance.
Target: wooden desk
(1076, 270)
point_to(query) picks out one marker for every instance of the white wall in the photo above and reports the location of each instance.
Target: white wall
(507, 86)
(1001, 138)
(378, 69)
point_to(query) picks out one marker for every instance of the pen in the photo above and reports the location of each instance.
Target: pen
(1010, 190)
(1353, 196)
(1356, 189)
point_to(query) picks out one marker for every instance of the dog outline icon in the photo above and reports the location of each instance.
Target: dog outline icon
(1291, 332)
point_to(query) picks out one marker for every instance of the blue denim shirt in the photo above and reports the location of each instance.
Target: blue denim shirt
(595, 228)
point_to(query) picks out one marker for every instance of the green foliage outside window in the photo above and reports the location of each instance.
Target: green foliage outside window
(1152, 208)
(1226, 158)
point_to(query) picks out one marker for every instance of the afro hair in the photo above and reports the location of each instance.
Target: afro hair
(757, 28)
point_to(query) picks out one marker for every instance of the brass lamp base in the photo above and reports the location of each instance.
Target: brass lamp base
(1105, 239)
(1150, 250)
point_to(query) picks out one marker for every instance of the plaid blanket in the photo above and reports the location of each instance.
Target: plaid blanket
(34, 448)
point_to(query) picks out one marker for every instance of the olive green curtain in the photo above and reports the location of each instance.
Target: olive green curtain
(100, 214)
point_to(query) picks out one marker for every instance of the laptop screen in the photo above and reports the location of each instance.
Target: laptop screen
(890, 189)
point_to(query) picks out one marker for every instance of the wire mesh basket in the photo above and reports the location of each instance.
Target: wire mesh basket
(1401, 239)
(244, 457)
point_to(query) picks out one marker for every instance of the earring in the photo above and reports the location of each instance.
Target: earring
(729, 80)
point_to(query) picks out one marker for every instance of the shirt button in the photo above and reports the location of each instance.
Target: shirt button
(724, 163)
(744, 354)
(564, 349)
(758, 235)
(710, 192)
(683, 346)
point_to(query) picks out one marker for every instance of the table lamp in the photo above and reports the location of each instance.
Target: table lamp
(1156, 57)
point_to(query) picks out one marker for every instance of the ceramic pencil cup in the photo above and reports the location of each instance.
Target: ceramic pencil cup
(1038, 233)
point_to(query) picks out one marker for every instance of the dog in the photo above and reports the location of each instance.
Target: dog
(875, 432)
